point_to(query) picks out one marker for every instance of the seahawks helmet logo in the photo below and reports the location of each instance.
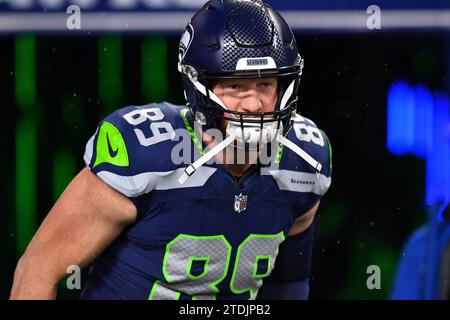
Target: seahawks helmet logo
(185, 43)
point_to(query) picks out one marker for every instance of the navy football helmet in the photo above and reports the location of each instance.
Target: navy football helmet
(236, 39)
(240, 39)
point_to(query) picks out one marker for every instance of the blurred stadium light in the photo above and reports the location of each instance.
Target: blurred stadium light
(419, 124)
(400, 121)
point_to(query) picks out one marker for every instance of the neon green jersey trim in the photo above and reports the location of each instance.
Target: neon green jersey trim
(279, 153)
(191, 132)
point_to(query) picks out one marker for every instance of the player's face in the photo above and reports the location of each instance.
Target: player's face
(248, 95)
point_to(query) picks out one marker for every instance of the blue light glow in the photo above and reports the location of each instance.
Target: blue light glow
(419, 123)
(438, 162)
(423, 121)
(400, 120)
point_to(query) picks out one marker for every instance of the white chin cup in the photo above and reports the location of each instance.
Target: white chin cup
(251, 133)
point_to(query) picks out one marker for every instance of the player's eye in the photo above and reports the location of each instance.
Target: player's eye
(234, 87)
(266, 85)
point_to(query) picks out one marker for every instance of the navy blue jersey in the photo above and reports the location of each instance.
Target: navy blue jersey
(213, 237)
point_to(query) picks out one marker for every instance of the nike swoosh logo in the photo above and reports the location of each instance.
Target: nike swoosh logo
(112, 152)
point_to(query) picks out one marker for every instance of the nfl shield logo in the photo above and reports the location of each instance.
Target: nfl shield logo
(240, 203)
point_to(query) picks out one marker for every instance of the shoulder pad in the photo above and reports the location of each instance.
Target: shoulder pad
(134, 142)
(295, 173)
(314, 141)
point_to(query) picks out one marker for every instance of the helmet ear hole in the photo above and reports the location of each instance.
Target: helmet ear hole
(200, 117)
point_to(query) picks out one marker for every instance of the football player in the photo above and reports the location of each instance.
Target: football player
(159, 220)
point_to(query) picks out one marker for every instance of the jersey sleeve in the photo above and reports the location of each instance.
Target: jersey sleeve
(325, 159)
(126, 151)
(316, 143)
(107, 154)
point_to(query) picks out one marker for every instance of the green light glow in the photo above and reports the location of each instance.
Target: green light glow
(26, 129)
(26, 207)
(110, 72)
(154, 69)
(25, 75)
(332, 217)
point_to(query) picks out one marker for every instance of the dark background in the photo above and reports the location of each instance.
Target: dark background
(375, 200)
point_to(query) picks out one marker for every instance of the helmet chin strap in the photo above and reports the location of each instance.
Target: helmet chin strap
(190, 170)
(302, 153)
